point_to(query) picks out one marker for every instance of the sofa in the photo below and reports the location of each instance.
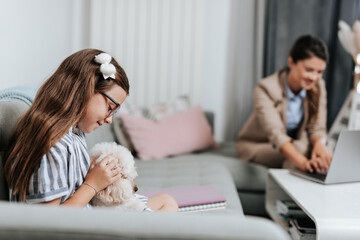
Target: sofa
(241, 183)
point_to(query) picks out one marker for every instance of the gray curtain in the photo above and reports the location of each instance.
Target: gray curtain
(287, 20)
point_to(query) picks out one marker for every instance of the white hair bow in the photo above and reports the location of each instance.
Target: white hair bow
(107, 69)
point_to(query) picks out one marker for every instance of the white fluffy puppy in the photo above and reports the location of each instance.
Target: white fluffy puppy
(120, 194)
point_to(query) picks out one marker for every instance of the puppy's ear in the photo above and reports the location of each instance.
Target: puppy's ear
(132, 173)
(122, 191)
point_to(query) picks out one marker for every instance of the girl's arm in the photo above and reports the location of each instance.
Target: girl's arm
(98, 177)
(79, 199)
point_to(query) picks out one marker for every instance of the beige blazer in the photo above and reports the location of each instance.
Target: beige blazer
(267, 122)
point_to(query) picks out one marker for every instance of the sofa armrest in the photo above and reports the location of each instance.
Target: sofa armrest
(21, 221)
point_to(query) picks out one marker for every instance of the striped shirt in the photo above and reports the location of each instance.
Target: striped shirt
(145, 200)
(62, 171)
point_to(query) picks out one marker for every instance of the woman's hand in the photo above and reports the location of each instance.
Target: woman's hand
(320, 156)
(316, 164)
(102, 174)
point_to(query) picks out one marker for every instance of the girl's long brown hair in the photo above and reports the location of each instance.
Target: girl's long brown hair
(59, 104)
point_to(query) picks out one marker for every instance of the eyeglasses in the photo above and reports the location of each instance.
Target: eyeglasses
(112, 110)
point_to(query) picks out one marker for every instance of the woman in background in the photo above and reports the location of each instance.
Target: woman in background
(287, 127)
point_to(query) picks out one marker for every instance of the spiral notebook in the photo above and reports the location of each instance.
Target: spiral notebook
(194, 198)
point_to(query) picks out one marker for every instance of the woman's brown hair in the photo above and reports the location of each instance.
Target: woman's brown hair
(59, 104)
(303, 48)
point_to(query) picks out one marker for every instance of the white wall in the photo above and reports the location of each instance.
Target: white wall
(216, 39)
(244, 62)
(35, 36)
(158, 43)
(217, 19)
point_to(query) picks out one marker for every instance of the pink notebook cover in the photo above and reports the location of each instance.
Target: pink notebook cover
(190, 196)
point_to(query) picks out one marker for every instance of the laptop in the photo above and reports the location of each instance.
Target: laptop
(345, 164)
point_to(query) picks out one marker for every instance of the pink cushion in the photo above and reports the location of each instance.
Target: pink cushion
(182, 132)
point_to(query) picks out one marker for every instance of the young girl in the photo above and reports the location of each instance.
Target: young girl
(288, 125)
(47, 159)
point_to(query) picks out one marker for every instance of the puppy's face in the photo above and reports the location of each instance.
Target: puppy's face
(134, 185)
(135, 188)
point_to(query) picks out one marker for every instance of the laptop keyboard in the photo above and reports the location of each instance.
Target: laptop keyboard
(320, 176)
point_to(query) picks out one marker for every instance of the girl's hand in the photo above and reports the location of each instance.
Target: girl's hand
(103, 174)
